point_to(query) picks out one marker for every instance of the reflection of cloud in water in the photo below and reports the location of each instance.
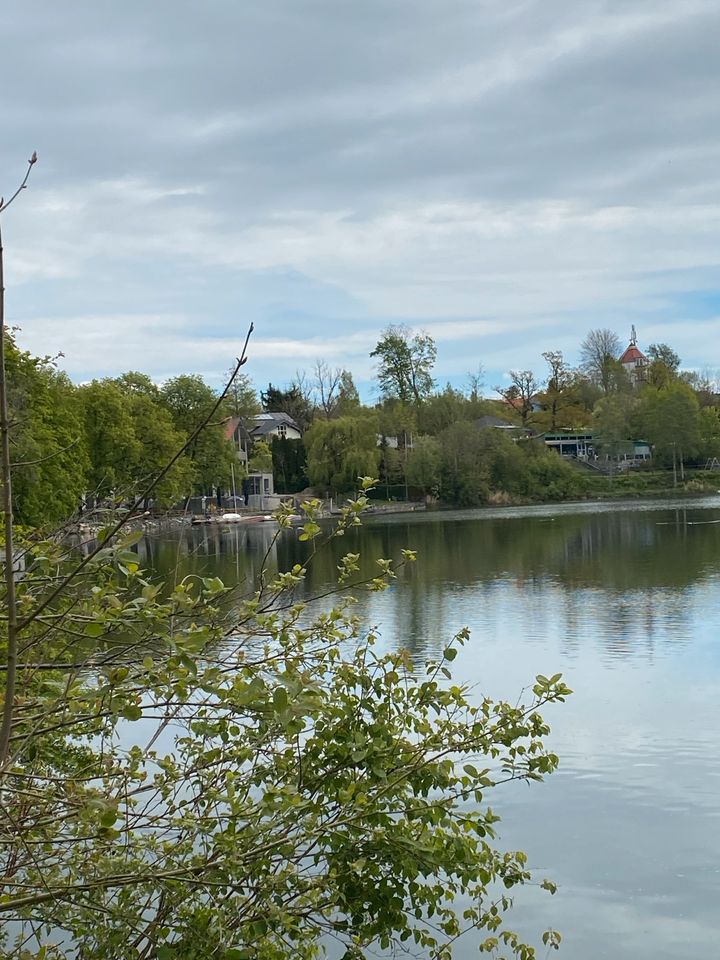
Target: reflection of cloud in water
(625, 602)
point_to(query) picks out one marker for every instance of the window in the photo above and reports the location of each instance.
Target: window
(282, 430)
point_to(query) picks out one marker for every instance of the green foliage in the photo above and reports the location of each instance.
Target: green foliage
(670, 419)
(613, 423)
(49, 448)
(289, 465)
(424, 465)
(114, 448)
(189, 399)
(339, 451)
(405, 364)
(187, 796)
(442, 409)
(131, 437)
(476, 464)
(261, 460)
(292, 401)
(241, 400)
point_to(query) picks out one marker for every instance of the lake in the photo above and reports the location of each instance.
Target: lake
(624, 600)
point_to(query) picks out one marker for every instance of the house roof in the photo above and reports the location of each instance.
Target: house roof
(632, 355)
(265, 423)
(233, 425)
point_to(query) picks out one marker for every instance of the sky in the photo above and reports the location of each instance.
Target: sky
(503, 174)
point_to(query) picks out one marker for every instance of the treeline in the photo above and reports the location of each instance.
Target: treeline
(423, 440)
(103, 439)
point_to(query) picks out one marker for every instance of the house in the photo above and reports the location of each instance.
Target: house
(237, 432)
(569, 444)
(582, 445)
(634, 361)
(265, 426)
(243, 432)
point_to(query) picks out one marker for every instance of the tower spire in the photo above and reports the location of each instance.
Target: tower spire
(633, 336)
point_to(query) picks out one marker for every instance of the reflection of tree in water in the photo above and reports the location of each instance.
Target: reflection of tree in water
(232, 552)
(618, 579)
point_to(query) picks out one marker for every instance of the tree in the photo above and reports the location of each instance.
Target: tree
(405, 364)
(705, 383)
(339, 451)
(663, 366)
(670, 419)
(558, 388)
(475, 384)
(292, 401)
(49, 448)
(599, 347)
(663, 353)
(242, 398)
(289, 465)
(465, 470)
(424, 465)
(188, 399)
(261, 460)
(612, 422)
(114, 449)
(348, 400)
(519, 395)
(207, 797)
(442, 409)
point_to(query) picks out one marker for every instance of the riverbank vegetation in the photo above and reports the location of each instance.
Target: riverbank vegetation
(101, 439)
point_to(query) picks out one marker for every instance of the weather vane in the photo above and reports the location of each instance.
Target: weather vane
(633, 336)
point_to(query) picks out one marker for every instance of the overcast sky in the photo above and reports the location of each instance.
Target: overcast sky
(505, 174)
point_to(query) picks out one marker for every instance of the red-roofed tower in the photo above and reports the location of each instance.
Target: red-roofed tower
(634, 360)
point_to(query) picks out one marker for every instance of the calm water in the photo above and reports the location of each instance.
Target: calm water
(624, 599)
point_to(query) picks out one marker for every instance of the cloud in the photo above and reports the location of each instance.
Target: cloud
(506, 175)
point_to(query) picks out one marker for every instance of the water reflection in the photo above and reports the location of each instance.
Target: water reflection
(625, 601)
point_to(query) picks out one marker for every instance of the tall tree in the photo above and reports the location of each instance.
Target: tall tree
(424, 466)
(598, 349)
(405, 364)
(663, 366)
(292, 401)
(49, 444)
(520, 393)
(189, 398)
(328, 383)
(114, 449)
(339, 451)
(664, 353)
(558, 387)
(670, 419)
(242, 398)
(612, 423)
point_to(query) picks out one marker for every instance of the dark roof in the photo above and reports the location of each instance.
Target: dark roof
(265, 423)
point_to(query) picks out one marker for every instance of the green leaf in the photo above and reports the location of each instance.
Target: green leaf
(108, 818)
(280, 699)
(449, 653)
(132, 711)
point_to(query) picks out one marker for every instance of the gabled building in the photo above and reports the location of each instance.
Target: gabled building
(634, 361)
(265, 426)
